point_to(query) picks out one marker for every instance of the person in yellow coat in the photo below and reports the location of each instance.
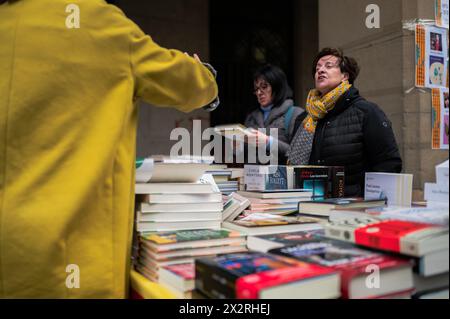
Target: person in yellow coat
(70, 75)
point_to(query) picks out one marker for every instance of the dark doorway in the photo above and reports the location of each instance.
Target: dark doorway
(243, 36)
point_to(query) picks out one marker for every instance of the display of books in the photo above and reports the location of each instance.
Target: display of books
(352, 262)
(261, 224)
(264, 276)
(180, 223)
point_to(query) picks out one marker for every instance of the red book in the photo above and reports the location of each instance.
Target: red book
(356, 266)
(251, 286)
(264, 276)
(408, 238)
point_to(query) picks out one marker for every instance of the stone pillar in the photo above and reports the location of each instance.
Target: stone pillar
(306, 46)
(386, 57)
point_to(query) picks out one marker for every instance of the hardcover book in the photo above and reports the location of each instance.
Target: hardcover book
(396, 188)
(264, 243)
(355, 265)
(324, 181)
(408, 238)
(190, 239)
(270, 177)
(323, 207)
(264, 276)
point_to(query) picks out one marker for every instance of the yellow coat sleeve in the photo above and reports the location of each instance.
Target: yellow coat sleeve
(169, 77)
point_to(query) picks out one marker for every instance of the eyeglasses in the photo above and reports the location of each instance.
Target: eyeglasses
(328, 66)
(263, 88)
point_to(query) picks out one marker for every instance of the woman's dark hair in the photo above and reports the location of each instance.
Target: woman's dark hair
(277, 80)
(346, 64)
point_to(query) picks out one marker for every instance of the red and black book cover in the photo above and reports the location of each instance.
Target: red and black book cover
(349, 260)
(244, 276)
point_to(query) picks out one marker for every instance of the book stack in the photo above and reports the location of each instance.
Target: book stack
(179, 279)
(265, 212)
(322, 181)
(430, 215)
(228, 180)
(273, 202)
(323, 208)
(393, 277)
(168, 257)
(424, 244)
(175, 194)
(355, 265)
(177, 206)
(264, 276)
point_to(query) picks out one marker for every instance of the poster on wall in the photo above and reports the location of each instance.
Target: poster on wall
(441, 12)
(440, 118)
(431, 56)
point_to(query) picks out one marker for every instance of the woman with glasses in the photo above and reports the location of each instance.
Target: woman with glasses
(276, 109)
(340, 128)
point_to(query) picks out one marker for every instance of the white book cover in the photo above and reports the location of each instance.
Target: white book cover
(397, 188)
(434, 193)
(442, 175)
(268, 177)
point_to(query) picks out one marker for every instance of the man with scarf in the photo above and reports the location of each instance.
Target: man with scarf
(340, 128)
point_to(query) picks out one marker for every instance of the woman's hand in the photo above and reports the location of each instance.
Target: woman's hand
(258, 138)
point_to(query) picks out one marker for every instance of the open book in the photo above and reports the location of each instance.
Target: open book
(239, 133)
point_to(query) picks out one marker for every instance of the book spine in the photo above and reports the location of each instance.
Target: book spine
(214, 281)
(367, 236)
(337, 180)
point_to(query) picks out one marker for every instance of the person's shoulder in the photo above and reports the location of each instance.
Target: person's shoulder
(367, 107)
(251, 116)
(298, 110)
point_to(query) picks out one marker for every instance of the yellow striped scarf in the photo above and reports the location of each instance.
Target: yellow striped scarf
(317, 106)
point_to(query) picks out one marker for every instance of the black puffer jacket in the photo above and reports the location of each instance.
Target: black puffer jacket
(358, 135)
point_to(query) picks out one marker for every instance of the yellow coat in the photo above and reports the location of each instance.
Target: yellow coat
(68, 122)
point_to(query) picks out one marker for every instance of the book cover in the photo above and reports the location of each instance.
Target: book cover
(404, 237)
(262, 220)
(270, 177)
(337, 182)
(314, 179)
(264, 243)
(244, 276)
(396, 188)
(349, 260)
(165, 238)
(185, 271)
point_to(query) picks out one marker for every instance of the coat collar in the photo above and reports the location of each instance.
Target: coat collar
(279, 111)
(345, 101)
